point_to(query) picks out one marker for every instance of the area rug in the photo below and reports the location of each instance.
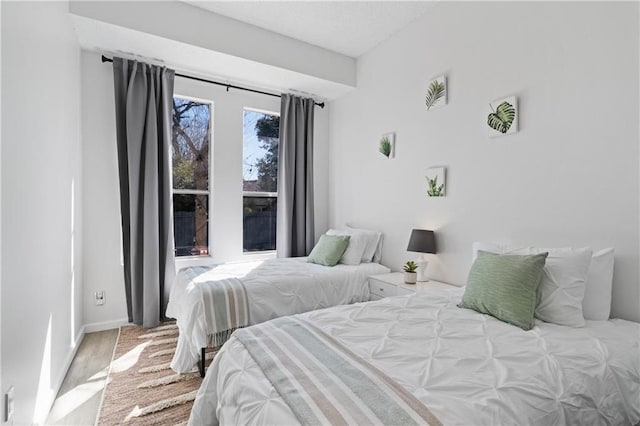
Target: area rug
(141, 387)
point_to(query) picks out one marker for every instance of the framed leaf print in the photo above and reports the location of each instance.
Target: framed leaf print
(436, 96)
(502, 117)
(387, 145)
(436, 182)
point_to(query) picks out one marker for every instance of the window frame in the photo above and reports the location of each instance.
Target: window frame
(257, 194)
(208, 193)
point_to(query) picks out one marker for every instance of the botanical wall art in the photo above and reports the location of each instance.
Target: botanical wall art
(436, 93)
(502, 117)
(436, 182)
(387, 145)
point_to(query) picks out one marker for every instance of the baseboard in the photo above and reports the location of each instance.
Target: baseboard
(105, 325)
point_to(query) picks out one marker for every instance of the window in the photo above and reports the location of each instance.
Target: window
(260, 180)
(191, 140)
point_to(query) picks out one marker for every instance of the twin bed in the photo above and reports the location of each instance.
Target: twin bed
(209, 303)
(274, 288)
(417, 359)
(466, 368)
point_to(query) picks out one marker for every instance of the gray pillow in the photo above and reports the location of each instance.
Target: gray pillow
(329, 249)
(504, 286)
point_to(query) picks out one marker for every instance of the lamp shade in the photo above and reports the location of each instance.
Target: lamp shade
(422, 241)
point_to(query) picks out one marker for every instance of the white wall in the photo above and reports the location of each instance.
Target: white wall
(569, 177)
(102, 239)
(103, 268)
(1, 387)
(41, 238)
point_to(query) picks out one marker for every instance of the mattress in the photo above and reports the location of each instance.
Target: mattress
(467, 368)
(274, 288)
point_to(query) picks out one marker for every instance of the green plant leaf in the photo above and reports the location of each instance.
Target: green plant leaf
(410, 266)
(502, 119)
(433, 190)
(385, 146)
(435, 92)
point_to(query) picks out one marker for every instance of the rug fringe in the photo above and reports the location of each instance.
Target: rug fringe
(163, 341)
(158, 334)
(167, 380)
(162, 352)
(155, 368)
(162, 405)
(163, 327)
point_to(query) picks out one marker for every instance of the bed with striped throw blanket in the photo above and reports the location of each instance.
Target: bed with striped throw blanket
(323, 382)
(209, 303)
(333, 366)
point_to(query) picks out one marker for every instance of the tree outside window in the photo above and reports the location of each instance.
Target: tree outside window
(260, 180)
(191, 146)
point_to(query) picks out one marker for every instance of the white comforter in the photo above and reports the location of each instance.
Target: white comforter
(468, 368)
(275, 288)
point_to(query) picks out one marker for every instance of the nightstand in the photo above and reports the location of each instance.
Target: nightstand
(392, 284)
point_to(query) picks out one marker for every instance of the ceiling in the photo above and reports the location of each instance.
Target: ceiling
(347, 27)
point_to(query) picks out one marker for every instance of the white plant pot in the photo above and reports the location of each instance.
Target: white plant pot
(410, 277)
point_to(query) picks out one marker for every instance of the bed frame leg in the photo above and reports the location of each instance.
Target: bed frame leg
(201, 363)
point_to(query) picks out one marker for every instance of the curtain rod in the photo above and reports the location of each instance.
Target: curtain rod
(228, 86)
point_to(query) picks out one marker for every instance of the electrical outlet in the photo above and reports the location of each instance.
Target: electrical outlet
(100, 298)
(8, 404)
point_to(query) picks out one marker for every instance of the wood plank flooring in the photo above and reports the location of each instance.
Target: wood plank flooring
(79, 397)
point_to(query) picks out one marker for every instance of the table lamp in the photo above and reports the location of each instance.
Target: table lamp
(422, 241)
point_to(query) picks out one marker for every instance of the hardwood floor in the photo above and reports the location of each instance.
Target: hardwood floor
(79, 397)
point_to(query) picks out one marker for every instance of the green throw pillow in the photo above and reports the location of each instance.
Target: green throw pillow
(329, 249)
(505, 286)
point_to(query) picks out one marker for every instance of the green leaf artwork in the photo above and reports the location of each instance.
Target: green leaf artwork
(433, 189)
(502, 118)
(385, 146)
(436, 92)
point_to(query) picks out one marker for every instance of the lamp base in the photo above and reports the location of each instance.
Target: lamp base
(422, 270)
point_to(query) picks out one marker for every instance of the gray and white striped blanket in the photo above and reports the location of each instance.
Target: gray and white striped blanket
(323, 382)
(225, 308)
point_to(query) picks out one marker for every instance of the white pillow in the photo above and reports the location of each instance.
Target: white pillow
(373, 252)
(596, 305)
(562, 287)
(357, 244)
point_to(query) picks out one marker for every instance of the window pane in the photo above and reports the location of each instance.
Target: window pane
(259, 223)
(191, 134)
(190, 219)
(260, 151)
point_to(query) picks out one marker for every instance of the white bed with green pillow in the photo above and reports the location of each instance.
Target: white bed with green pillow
(466, 368)
(268, 289)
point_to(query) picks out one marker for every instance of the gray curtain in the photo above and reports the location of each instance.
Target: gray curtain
(143, 98)
(295, 228)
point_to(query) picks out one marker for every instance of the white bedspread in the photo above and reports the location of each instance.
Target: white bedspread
(275, 288)
(466, 367)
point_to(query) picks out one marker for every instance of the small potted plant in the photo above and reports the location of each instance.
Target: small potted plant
(410, 275)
